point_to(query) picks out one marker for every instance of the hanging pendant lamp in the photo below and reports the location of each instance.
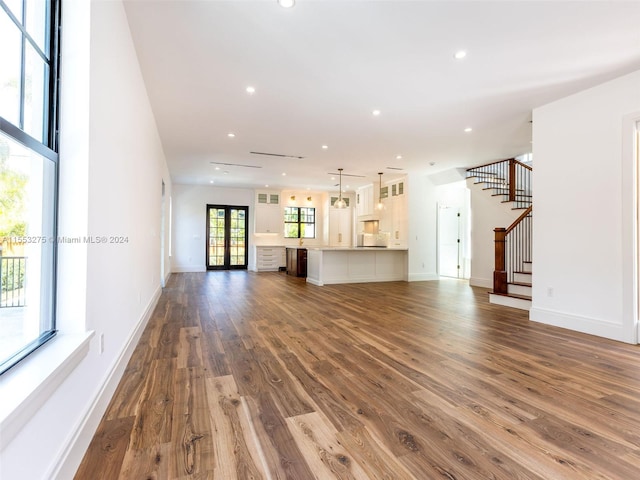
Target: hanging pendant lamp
(380, 205)
(340, 203)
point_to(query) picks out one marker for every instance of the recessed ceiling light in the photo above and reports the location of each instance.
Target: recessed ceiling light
(231, 135)
(460, 54)
(398, 157)
(286, 3)
(284, 174)
(210, 181)
(376, 112)
(432, 163)
(251, 90)
(217, 168)
(468, 130)
(266, 186)
(324, 147)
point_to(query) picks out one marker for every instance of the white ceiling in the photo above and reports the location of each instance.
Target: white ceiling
(322, 67)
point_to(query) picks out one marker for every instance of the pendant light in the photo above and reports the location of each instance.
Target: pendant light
(380, 205)
(340, 203)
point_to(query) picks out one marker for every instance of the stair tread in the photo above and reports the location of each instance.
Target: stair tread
(523, 272)
(521, 284)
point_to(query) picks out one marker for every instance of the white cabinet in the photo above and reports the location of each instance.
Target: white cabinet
(365, 202)
(340, 225)
(397, 210)
(269, 219)
(267, 197)
(268, 213)
(270, 258)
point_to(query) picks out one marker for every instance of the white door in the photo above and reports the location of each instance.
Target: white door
(449, 260)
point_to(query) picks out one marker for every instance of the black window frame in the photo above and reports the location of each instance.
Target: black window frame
(298, 215)
(48, 148)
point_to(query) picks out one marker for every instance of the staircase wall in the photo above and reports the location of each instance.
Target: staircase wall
(583, 245)
(487, 213)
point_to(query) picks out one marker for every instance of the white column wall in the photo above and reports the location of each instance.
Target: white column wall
(423, 214)
(584, 248)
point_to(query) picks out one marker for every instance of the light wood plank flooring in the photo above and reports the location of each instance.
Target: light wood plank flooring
(241, 375)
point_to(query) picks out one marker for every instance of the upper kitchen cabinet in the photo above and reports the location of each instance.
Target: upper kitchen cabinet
(397, 214)
(365, 203)
(267, 198)
(268, 212)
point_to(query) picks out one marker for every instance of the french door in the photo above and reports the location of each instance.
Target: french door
(227, 237)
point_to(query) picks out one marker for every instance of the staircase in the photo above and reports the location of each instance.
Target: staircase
(510, 181)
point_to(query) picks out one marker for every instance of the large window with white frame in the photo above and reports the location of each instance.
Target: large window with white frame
(29, 46)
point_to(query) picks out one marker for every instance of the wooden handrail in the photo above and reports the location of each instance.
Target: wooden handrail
(528, 167)
(518, 220)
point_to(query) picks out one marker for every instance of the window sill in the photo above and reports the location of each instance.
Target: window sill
(28, 385)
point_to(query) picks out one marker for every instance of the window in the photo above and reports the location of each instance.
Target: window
(299, 222)
(29, 40)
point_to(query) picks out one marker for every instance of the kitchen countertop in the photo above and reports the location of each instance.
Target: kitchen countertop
(357, 249)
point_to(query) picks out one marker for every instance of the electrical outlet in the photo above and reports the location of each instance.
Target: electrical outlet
(101, 343)
(549, 291)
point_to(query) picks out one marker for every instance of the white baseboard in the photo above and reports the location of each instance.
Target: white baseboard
(481, 282)
(591, 326)
(189, 269)
(422, 277)
(75, 449)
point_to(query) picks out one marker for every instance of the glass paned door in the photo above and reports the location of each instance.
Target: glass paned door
(227, 237)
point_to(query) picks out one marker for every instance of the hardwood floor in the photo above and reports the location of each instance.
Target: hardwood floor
(241, 375)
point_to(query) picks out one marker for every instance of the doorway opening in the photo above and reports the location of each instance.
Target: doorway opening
(227, 237)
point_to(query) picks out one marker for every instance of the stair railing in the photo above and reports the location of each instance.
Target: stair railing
(511, 178)
(512, 250)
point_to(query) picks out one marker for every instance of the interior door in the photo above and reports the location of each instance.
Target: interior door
(227, 237)
(449, 241)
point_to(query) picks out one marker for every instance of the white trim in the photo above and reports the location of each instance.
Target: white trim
(629, 247)
(423, 277)
(28, 385)
(187, 269)
(591, 326)
(481, 282)
(82, 433)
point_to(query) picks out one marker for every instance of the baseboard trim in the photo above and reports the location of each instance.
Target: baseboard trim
(72, 454)
(422, 277)
(578, 323)
(189, 269)
(481, 282)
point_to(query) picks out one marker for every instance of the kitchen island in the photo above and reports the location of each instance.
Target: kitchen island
(330, 265)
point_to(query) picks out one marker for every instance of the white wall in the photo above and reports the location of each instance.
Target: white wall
(190, 221)
(584, 249)
(111, 174)
(487, 213)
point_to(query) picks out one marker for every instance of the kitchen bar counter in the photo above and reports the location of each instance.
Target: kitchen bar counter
(330, 265)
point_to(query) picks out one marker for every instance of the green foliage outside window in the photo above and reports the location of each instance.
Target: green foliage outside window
(299, 222)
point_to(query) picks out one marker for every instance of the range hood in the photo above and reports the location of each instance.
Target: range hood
(371, 217)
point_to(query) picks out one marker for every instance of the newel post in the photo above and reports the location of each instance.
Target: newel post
(500, 271)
